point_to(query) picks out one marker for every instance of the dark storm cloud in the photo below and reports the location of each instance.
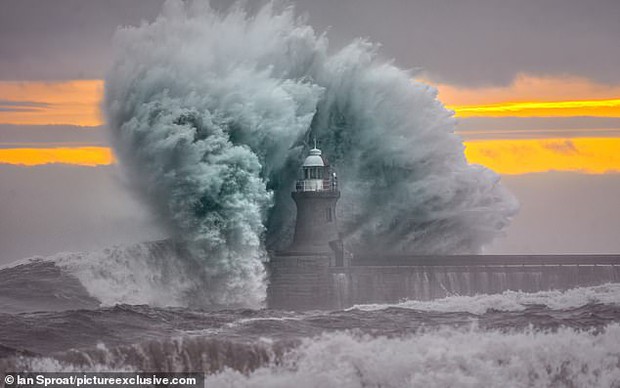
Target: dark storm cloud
(567, 147)
(21, 106)
(30, 104)
(64, 39)
(485, 41)
(473, 42)
(51, 135)
(16, 109)
(472, 128)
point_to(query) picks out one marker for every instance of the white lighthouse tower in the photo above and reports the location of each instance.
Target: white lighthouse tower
(316, 194)
(300, 276)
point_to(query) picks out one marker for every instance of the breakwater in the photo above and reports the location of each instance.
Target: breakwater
(314, 281)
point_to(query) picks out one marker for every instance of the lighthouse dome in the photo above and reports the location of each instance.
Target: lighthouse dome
(314, 159)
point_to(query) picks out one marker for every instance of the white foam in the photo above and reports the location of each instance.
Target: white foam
(511, 300)
(446, 358)
(128, 275)
(148, 273)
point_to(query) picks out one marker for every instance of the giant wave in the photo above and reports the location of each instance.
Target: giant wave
(210, 112)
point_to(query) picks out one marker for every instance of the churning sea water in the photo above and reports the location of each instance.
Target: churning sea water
(59, 315)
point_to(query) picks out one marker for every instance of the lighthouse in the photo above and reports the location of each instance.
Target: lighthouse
(300, 275)
(315, 272)
(315, 195)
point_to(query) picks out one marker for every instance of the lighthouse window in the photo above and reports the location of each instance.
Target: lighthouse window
(306, 173)
(328, 214)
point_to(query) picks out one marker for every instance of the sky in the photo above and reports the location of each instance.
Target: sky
(535, 86)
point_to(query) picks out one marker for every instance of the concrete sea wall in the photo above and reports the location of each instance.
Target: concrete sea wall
(311, 282)
(300, 281)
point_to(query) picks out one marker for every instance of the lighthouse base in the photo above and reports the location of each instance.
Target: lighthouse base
(300, 280)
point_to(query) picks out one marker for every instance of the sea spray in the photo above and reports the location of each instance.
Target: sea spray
(210, 113)
(442, 357)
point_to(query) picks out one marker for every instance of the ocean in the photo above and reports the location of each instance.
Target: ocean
(59, 315)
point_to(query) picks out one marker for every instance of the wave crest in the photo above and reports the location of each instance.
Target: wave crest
(209, 113)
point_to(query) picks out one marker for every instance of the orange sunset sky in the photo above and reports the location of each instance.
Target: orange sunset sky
(76, 102)
(534, 86)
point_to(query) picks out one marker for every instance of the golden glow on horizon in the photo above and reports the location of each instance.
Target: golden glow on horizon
(509, 157)
(46, 103)
(599, 108)
(530, 96)
(77, 102)
(528, 88)
(80, 156)
(523, 156)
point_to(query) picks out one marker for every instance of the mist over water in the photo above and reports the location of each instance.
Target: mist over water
(211, 114)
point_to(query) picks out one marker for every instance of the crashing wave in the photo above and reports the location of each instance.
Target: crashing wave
(155, 273)
(210, 111)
